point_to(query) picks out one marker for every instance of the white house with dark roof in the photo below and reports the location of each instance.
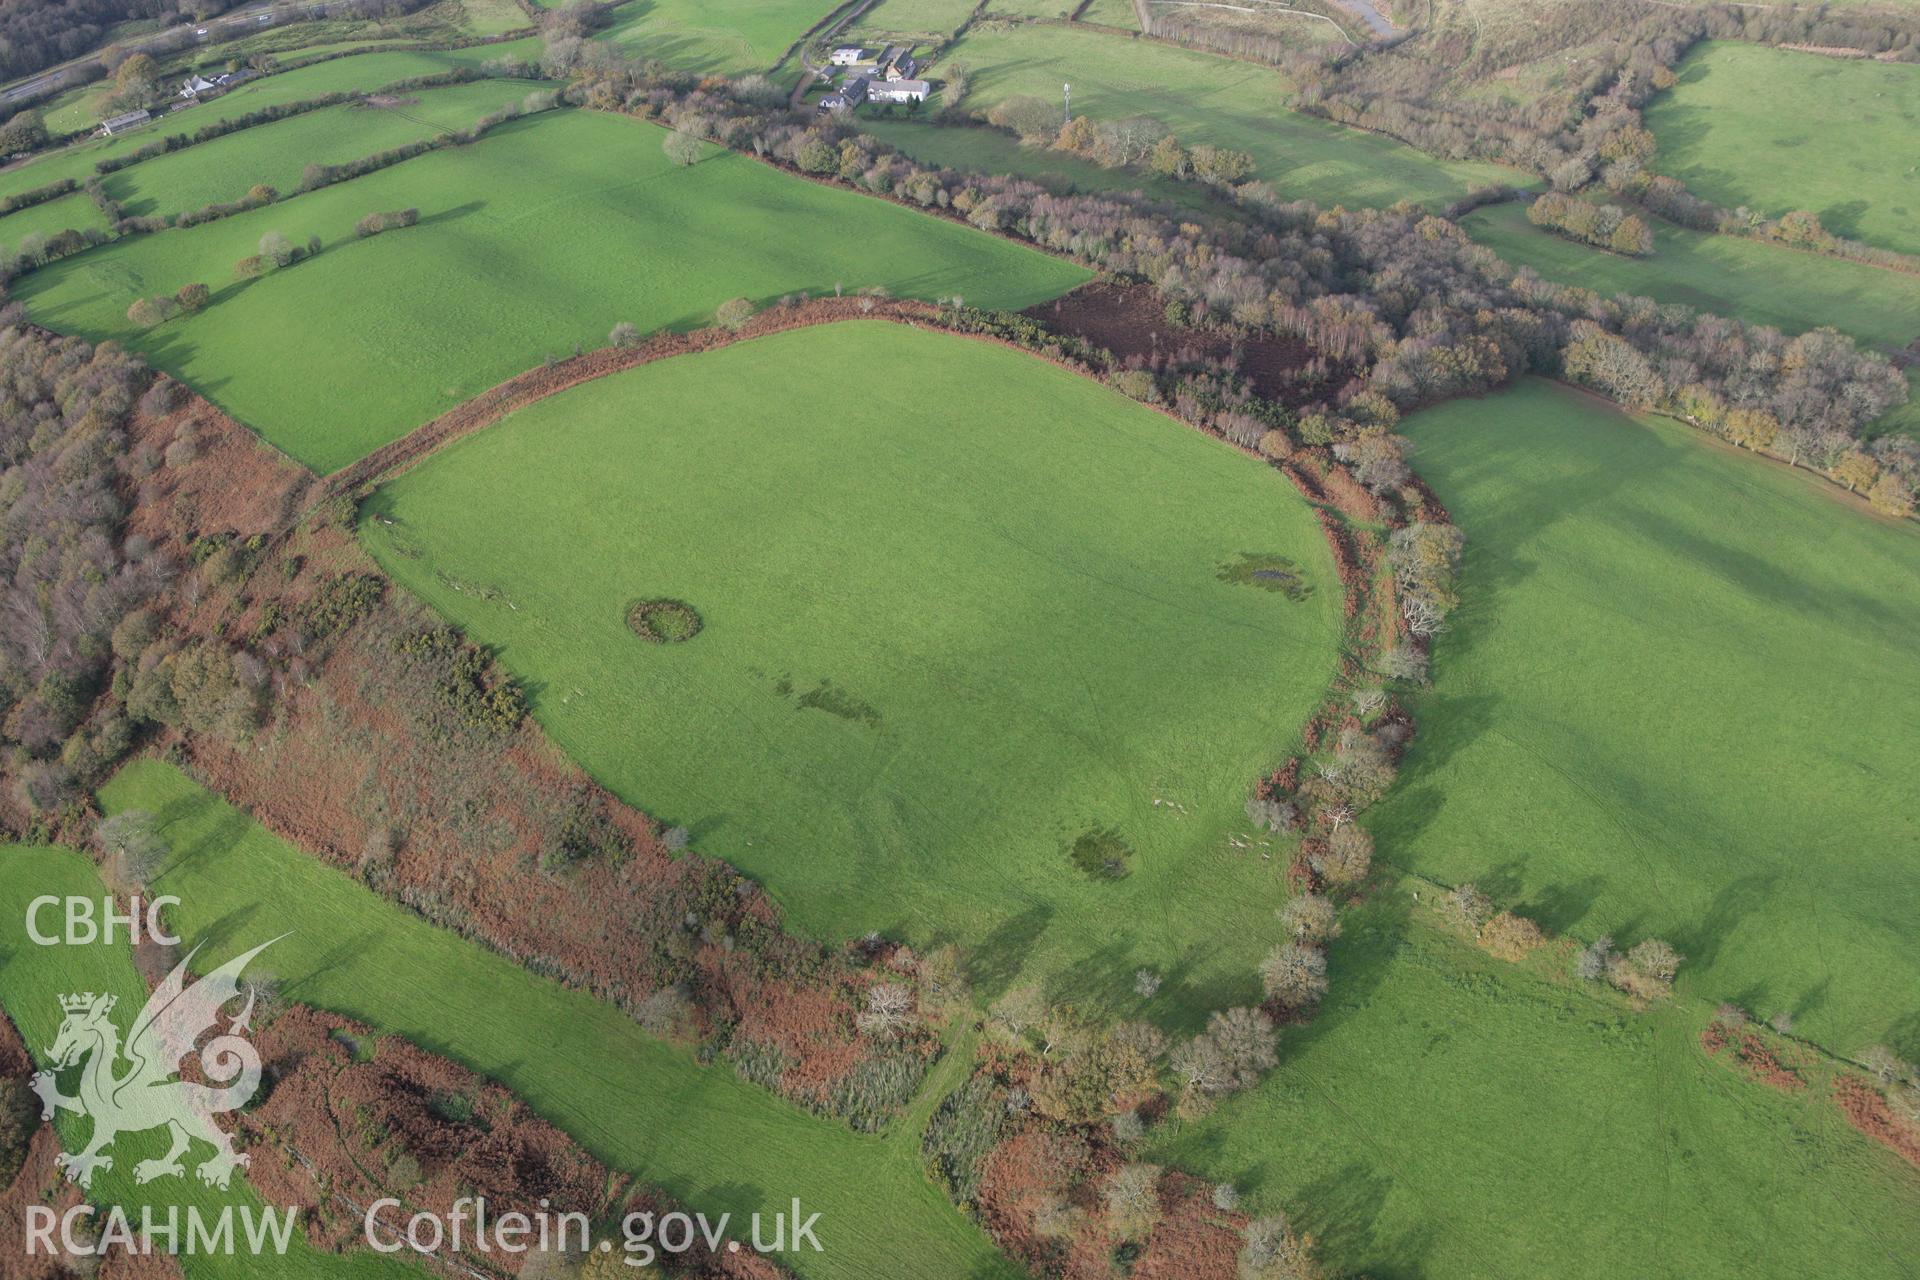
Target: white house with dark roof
(902, 67)
(850, 95)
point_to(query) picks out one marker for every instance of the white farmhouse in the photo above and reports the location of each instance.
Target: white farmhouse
(897, 91)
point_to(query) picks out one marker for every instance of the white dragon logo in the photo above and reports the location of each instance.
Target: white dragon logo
(147, 1096)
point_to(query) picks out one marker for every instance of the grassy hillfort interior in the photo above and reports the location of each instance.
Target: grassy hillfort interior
(1103, 640)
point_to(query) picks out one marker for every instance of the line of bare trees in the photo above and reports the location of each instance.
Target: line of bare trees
(1405, 301)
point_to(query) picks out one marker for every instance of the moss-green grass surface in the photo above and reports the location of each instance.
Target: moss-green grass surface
(49, 217)
(361, 72)
(1056, 9)
(32, 980)
(929, 17)
(533, 241)
(77, 108)
(1113, 13)
(1747, 279)
(961, 609)
(1776, 130)
(276, 154)
(638, 1104)
(1205, 98)
(984, 150)
(727, 36)
(1452, 1117)
(492, 17)
(1676, 701)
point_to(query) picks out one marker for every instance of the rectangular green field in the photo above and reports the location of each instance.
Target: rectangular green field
(984, 150)
(1204, 98)
(927, 17)
(77, 108)
(1112, 13)
(1748, 280)
(276, 154)
(32, 980)
(1776, 130)
(492, 17)
(77, 211)
(967, 634)
(533, 242)
(731, 37)
(1451, 1117)
(1032, 8)
(638, 1104)
(1677, 701)
(360, 72)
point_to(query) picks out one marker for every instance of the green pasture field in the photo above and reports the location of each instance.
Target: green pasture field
(1746, 279)
(1677, 701)
(276, 154)
(1204, 98)
(491, 17)
(76, 211)
(931, 17)
(76, 108)
(1776, 130)
(532, 242)
(983, 150)
(33, 977)
(1031, 8)
(362, 71)
(967, 615)
(636, 1103)
(1452, 1117)
(727, 36)
(1112, 13)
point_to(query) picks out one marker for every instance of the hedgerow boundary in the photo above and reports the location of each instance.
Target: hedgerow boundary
(1353, 521)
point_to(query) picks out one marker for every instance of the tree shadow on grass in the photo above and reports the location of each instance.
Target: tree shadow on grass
(218, 939)
(1558, 907)
(342, 955)
(1843, 219)
(1701, 943)
(1903, 1037)
(1358, 962)
(1398, 821)
(743, 1198)
(993, 965)
(1343, 1210)
(1462, 720)
(451, 214)
(1814, 998)
(1786, 593)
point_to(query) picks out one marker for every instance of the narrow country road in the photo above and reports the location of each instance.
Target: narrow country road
(258, 14)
